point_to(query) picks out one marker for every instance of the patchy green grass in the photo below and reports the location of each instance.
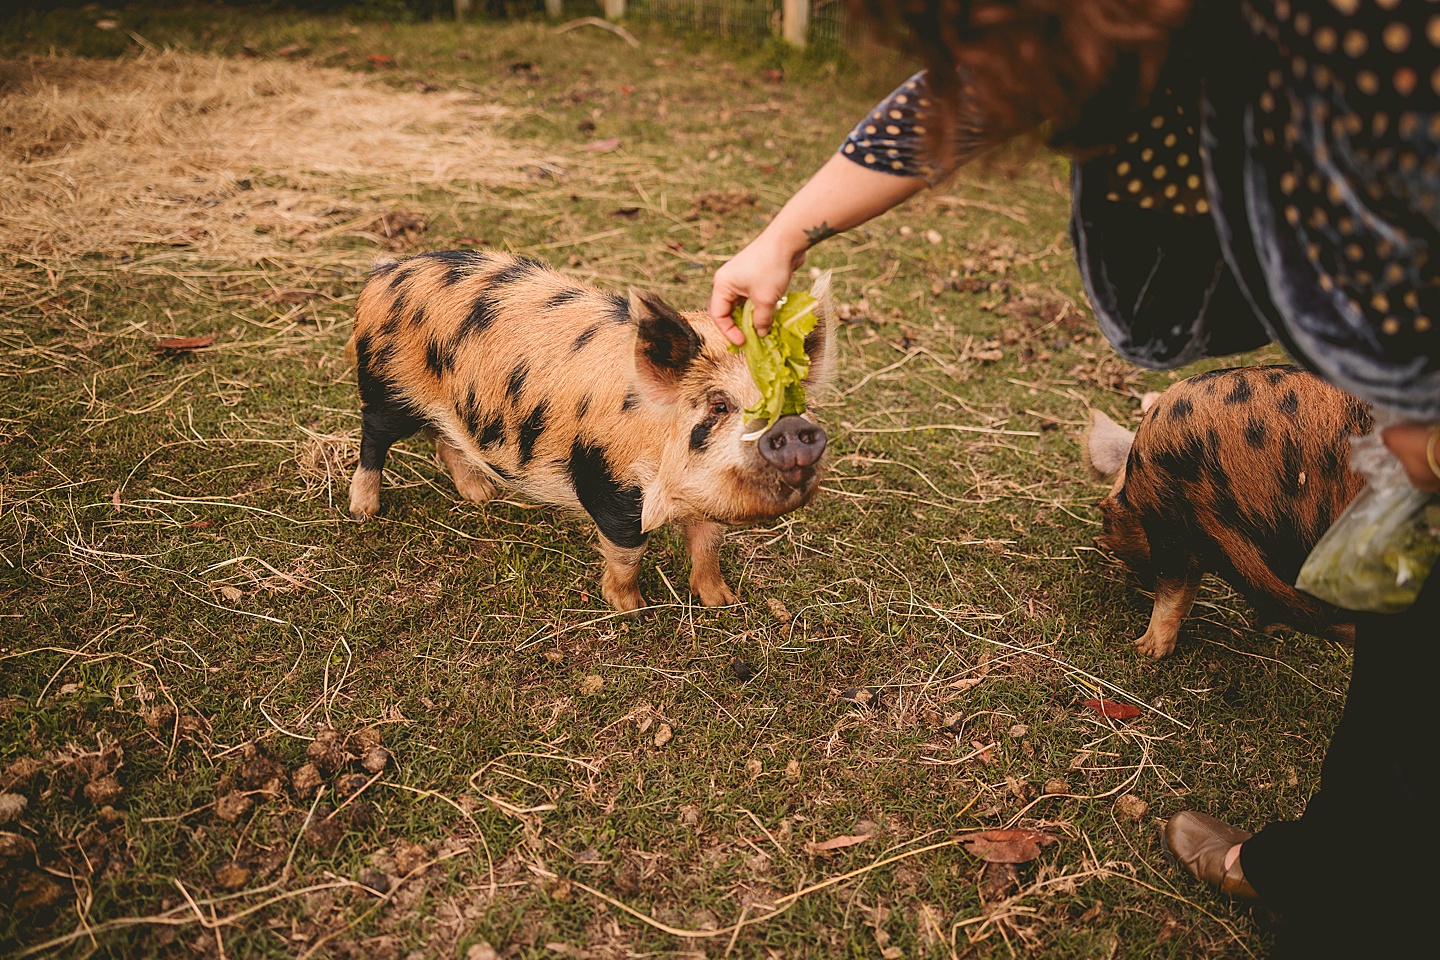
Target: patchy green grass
(185, 609)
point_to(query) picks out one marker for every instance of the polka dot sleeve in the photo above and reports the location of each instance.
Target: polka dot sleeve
(891, 138)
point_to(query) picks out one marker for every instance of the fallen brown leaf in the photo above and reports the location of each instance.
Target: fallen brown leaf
(836, 843)
(602, 146)
(183, 344)
(1007, 846)
(1116, 711)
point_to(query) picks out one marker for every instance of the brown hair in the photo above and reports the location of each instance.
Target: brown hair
(1009, 66)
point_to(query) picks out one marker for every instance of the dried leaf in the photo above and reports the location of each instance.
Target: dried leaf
(663, 734)
(836, 843)
(379, 59)
(1131, 807)
(1113, 710)
(11, 806)
(1006, 846)
(183, 344)
(592, 684)
(602, 146)
(233, 806)
(232, 876)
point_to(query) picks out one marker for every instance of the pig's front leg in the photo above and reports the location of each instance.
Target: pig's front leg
(706, 582)
(620, 583)
(469, 483)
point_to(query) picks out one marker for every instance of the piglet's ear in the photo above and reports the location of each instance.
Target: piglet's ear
(820, 343)
(665, 346)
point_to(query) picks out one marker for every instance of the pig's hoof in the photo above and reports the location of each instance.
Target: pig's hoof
(1155, 646)
(624, 599)
(472, 489)
(715, 595)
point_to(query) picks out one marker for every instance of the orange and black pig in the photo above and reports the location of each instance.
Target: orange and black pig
(619, 408)
(1236, 472)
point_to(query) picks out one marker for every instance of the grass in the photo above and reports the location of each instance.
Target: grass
(184, 608)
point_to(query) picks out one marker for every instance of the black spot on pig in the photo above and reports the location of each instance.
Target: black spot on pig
(1240, 393)
(617, 307)
(516, 383)
(385, 417)
(1332, 458)
(481, 315)
(1276, 375)
(521, 269)
(492, 432)
(362, 354)
(469, 411)
(1255, 433)
(383, 269)
(438, 359)
(631, 401)
(583, 407)
(614, 508)
(700, 435)
(563, 297)
(459, 264)
(584, 337)
(1181, 409)
(501, 472)
(530, 430)
(1290, 403)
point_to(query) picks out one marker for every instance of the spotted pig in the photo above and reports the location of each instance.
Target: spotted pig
(620, 408)
(1237, 472)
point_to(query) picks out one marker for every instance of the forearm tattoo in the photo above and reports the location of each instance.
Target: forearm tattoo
(823, 232)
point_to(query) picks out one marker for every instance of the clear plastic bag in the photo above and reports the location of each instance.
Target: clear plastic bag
(1378, 553)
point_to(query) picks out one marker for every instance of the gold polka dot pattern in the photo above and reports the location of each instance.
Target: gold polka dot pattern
(1157, 165)
(1351, 132)
(893, 136)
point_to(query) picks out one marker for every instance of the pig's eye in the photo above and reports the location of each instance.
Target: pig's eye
(719, 406)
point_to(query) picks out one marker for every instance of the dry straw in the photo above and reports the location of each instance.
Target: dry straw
(225, 160)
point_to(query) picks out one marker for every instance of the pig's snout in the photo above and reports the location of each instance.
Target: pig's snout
(793, 445)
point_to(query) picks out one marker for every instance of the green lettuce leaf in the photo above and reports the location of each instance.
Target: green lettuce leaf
(778, 363)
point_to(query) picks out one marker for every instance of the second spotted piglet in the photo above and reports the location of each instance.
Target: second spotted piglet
(620, 408)
(1237, 472)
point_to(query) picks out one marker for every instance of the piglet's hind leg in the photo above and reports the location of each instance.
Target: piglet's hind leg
(381, 424)
(469, 483)
(706, 581)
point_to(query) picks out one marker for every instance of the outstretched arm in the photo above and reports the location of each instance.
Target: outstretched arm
(841, 195)
(884, 162)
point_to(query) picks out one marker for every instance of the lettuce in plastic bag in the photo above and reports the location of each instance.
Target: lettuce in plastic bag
(778, 363)
(1376, 556)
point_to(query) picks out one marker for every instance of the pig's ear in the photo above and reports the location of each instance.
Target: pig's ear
(820, 344)
(665, 346)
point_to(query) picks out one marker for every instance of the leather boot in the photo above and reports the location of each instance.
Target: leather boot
(1200, 844)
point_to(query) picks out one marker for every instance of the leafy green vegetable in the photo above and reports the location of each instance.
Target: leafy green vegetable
(1379, 552)
(778, 363)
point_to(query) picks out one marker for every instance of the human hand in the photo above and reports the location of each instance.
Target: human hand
(1412, 445)
(761, 274)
